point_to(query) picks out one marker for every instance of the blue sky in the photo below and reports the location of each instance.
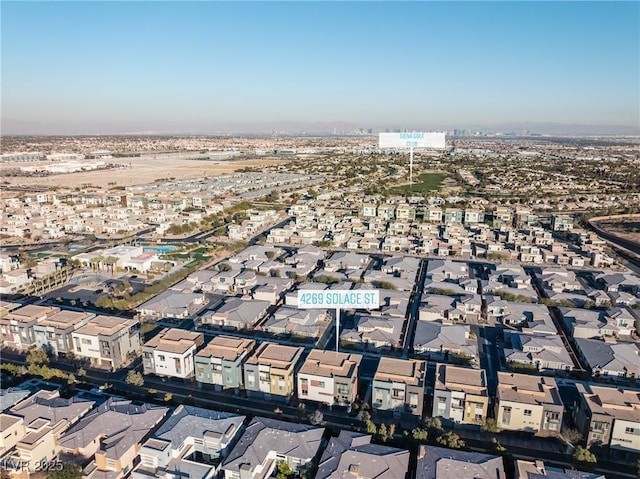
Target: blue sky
(109, 67)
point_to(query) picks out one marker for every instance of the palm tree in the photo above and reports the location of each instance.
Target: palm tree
(110, 261)
(99, 262)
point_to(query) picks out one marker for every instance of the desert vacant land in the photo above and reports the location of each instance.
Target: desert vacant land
(139, 171)
(628, 229)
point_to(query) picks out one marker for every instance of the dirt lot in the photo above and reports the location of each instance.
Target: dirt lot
(140, 171)
(629, 230)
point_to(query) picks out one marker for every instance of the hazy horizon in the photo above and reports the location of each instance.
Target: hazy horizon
(258, 67)
(343, 128)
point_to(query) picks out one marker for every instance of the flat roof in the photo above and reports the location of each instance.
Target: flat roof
(527, 389)
(63, 319)
(106, 325)
(455, 378)
(7, 420)
(275, 355)
(409, 371)
(175, 340)
(619, 403)
(30, 312)
(331, 363)
(226, 347)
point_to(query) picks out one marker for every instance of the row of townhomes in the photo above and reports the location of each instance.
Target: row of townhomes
(106, 341)
(277, 372)
(110, 437)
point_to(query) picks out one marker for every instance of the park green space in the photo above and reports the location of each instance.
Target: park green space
(424, 183)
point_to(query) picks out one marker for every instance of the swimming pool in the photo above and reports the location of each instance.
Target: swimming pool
(160, 249)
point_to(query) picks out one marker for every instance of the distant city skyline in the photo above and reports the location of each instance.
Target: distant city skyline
(243, 67)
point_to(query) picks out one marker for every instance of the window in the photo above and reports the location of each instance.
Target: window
(629, 430)
(161, 357)
(527, 412)
(599, 426)
(506, 415)
(553, 416)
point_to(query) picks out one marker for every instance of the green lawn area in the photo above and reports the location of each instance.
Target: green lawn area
(423, 183)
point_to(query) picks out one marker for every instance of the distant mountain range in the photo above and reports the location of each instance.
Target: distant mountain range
(19, 127)
(550, 128)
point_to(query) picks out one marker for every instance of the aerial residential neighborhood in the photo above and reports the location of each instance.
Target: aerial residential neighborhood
(320, 240)
(505, 327)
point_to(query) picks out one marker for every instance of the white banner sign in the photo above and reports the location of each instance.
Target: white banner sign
(335, 298)
(412, 140)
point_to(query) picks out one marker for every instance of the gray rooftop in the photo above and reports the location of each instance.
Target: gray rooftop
(352, 454)
(170, 302)
(246, 311)
(615, 357)
(538, 470)
(191, 421)
(265, 435)
(117, 424)
(440, 463)
(48, 405)
(12, 396)
(435, 336)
